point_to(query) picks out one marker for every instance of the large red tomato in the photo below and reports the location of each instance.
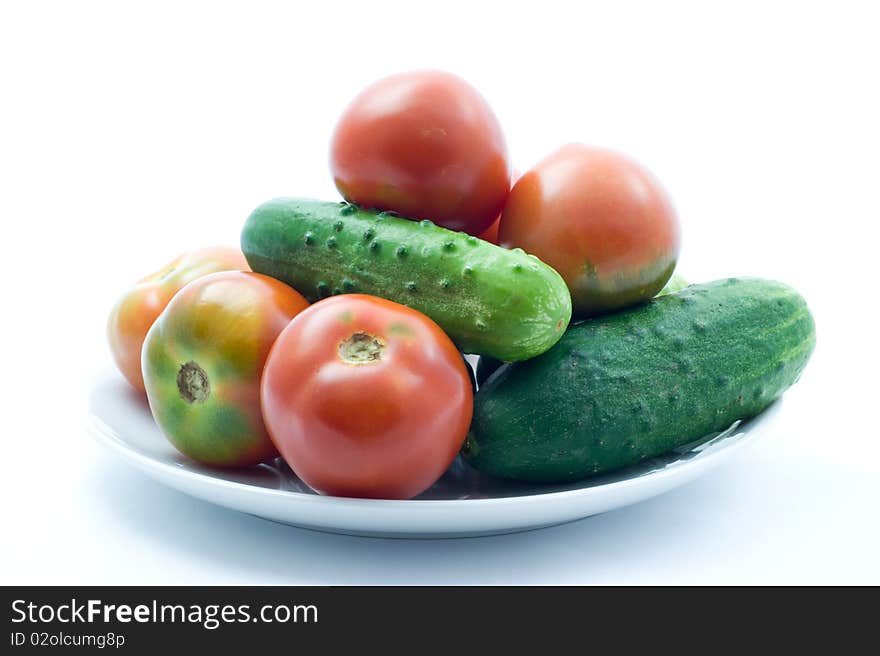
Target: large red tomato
(601, 220)
(426, 145)
(366, 398)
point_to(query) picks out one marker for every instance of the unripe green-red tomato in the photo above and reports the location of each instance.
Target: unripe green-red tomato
(203, 360)
(601, 220)
(424, 144)
(366, 398)
(137, 309)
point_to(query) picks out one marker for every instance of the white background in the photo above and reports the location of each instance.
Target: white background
(132, 131)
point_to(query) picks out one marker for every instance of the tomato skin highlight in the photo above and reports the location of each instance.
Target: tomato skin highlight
(134, 312)
(426, 145)
(203, 359)
(364, 397)
(601, 220)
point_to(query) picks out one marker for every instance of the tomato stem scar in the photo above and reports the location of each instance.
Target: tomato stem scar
(361, 348)
(193, 383)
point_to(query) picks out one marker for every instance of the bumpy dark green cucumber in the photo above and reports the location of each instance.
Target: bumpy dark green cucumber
(489, 300)
(630, 386)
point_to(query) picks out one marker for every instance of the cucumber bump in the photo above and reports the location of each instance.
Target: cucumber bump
(489, 300)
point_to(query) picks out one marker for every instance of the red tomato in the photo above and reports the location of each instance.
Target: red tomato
(364, 397)
(426, 145)
(601, 220)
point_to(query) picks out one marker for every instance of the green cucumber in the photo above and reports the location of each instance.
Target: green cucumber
(489, 300)
(625, 387)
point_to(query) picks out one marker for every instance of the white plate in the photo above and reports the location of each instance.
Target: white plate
(463, 503)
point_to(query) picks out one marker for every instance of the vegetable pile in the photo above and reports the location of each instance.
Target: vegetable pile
(334, 338)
